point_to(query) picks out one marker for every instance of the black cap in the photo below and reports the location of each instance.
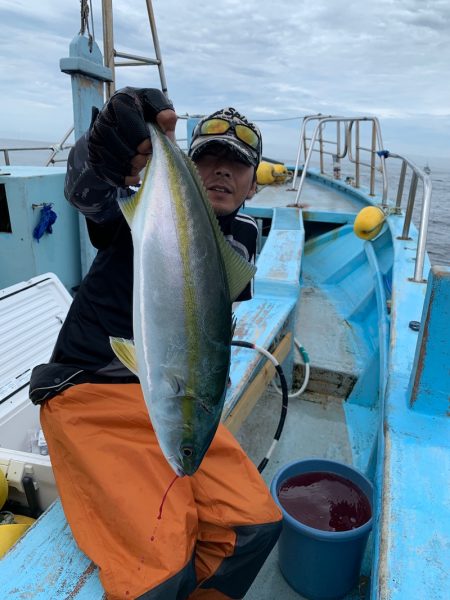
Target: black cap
(249, 155)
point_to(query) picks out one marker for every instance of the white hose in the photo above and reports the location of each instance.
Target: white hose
(307, 369)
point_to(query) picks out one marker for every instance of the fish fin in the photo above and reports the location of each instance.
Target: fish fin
(125, 352)
(173, 378)
(174, 383)
(238, 270)
(129, 205)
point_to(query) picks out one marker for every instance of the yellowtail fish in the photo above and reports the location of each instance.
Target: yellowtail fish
(186, 277)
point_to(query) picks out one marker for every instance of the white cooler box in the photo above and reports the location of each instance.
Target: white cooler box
(31, 315)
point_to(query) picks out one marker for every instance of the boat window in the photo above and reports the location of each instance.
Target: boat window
(5, 221)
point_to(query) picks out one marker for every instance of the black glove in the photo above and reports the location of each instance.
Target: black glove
(119, 128)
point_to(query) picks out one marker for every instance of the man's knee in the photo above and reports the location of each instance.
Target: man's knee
(237, 572)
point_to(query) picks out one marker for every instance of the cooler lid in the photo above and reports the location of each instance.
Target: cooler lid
(31, 315)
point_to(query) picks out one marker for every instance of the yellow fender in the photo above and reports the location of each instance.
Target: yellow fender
(368, 222)
(3, 489)
(268, 173)
(9, 534)
(280, 173)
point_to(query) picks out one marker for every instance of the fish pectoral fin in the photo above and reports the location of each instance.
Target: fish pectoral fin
(175, 382)
(125, 352)
(129, 205)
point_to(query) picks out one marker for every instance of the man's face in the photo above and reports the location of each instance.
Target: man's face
(227, 180)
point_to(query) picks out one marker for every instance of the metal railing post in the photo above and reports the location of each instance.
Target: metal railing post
(357, 156)
(59, 147)
(423, 231)
(307, 161)
(321, 148)
(409, 207)
(305, 148)
(302, 143)
(337, 156)
(401, 186)
(372, 161)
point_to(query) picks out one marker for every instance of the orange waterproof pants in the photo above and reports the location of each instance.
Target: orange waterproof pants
(216, 527)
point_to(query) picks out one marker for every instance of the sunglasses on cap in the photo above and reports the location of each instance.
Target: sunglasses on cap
(221, 126)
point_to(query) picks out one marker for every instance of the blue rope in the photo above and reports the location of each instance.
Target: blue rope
(46, 220)
(383, 153)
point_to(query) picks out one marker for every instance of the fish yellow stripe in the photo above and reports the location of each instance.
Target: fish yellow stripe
(190, 298)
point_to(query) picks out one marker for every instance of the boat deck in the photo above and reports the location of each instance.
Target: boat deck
(315, 427)
(333, 352)
(315, 196)
(316, 423)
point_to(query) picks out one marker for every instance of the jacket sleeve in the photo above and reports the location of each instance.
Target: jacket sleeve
(94, 198)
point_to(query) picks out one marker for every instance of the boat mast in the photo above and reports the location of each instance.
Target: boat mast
(110, 54)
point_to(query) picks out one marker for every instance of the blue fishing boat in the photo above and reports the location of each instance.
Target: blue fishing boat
(345, 299)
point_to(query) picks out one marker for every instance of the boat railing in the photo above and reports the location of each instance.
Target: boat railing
(55, 150)
(59, 148)
(347, 145)
(347, 133)
(417, 175)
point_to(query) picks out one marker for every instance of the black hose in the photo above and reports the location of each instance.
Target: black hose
(284, 398)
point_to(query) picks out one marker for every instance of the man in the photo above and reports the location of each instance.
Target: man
(216, 528)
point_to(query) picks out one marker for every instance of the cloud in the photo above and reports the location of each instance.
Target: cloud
(386, 58)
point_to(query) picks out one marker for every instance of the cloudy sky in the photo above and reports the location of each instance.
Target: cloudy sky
(271, 60)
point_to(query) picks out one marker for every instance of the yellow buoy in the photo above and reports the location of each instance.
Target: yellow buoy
(268, 173)
(368, 222)
(9, 534)
(264, 174)
(280, 173)
(3, 489)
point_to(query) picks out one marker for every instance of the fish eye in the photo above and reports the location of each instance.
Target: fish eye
(187, 451)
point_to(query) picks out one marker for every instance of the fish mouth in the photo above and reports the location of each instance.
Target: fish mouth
(179, 471)
(177, 465)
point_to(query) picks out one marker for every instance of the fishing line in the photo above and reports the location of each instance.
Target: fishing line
(284, 399)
